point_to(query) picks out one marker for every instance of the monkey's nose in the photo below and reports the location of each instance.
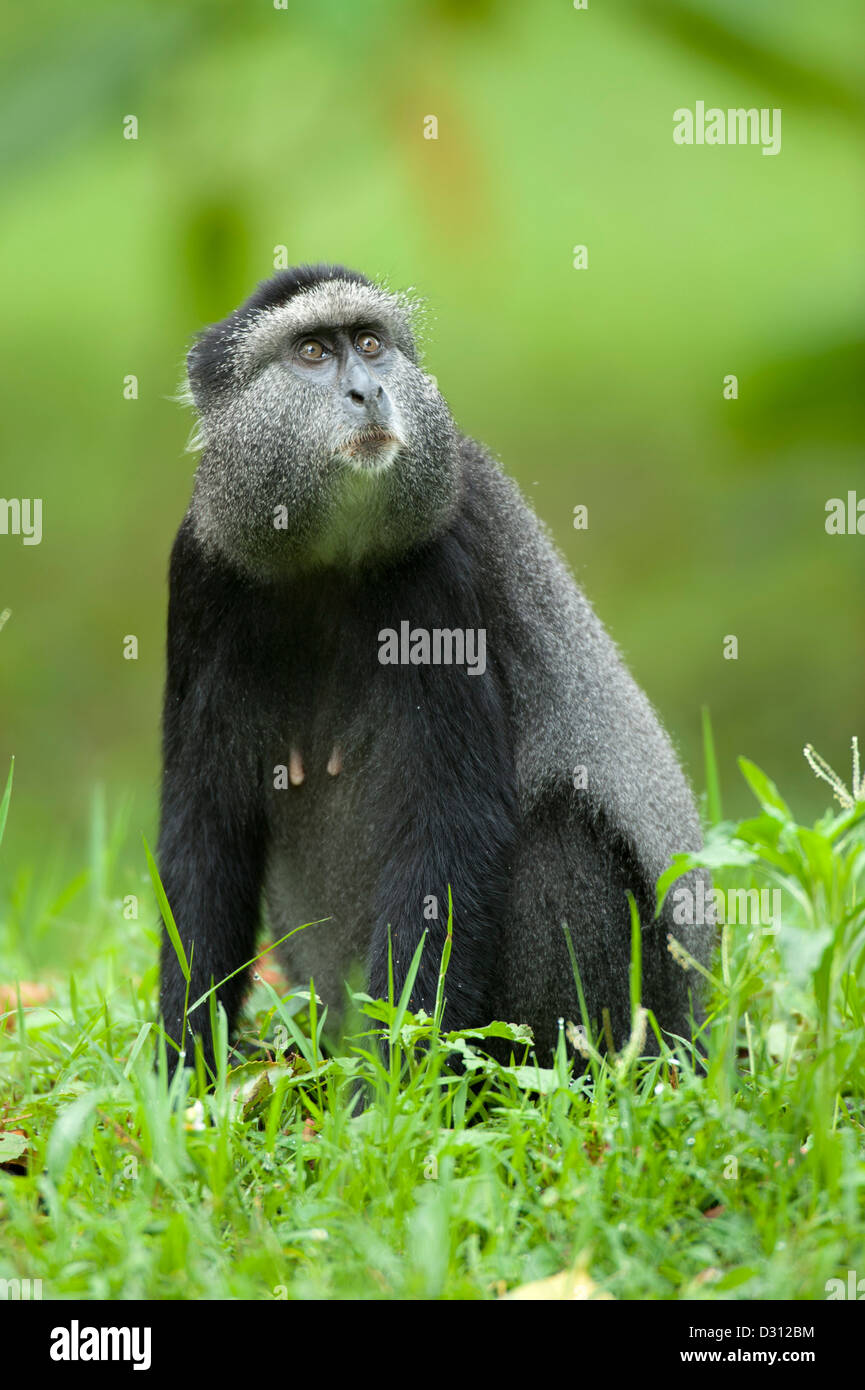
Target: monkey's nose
(365, 396)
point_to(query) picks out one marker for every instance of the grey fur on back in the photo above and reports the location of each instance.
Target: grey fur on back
(576, 703)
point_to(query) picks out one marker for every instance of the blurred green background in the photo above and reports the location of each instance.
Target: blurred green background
(303, 127)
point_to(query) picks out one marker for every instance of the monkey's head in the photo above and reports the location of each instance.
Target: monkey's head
(324, 441)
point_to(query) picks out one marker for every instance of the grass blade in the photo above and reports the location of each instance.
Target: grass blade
(7, 797)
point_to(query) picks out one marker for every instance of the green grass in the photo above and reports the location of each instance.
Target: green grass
(658, 1183)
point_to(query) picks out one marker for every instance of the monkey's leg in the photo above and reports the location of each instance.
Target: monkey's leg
(569, 869)
(566, 871)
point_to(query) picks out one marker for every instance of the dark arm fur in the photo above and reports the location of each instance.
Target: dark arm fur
(450, 812)
(213, 838)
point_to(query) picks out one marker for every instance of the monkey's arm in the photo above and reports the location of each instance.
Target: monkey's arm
(451, 809)
(212, 842)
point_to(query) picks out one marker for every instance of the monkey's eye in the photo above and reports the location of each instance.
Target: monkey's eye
(367, 343)
(311, 350)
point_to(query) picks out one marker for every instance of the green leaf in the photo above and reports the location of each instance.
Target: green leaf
(12, 1146)
(443, 967)
(713, 783)
(636, 970)
(818, 852)
(511, 1032)
(544, 1080)
(67, 1131)
(379, 1009)
(735, 1277)
(765, 829)
(136, 1047)
(717, 854)
(764, 789)
(407, 988)
(167, 914)
(755, 984)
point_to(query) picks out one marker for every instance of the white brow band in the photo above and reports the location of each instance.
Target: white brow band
(328, 304)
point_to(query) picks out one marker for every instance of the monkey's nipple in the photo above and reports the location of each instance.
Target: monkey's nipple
(296, 773)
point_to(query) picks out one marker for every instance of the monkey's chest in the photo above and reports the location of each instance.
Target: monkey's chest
(329, 772)
(324, 851)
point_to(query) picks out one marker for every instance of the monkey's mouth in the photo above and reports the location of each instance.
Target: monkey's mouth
(369, 443)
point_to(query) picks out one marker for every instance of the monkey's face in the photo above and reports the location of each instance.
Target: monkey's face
(324, 441)
(349, 372)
